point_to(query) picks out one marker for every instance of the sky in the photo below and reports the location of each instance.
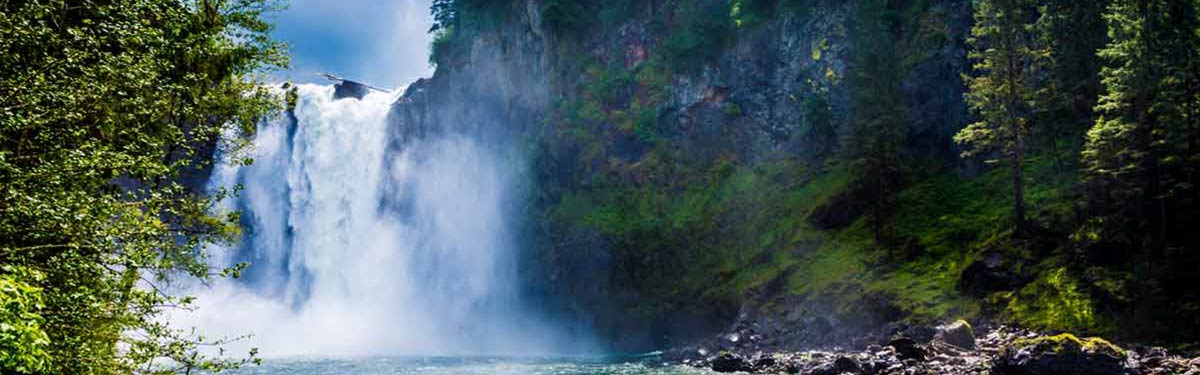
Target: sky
(379, 42)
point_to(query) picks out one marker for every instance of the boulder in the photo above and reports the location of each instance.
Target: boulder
(729, 362)
(958, 333)
(847, 365)
(907, 348)
(350, 89)
(1063, 354)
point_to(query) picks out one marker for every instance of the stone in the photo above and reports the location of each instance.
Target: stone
(350, 89)
(729, 362)
(847, 365)
(907, 348)
(958, 333)
(1060, 355)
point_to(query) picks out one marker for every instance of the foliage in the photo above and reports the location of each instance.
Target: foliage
(748, 13)
(691, 222)
(1002, 95)
(106, 110)
(1056, 300)
(700, 31)
(457, 21)
(1142, 157)
(1141, 153)
(23, 343)
(563, 15)
(875, 141)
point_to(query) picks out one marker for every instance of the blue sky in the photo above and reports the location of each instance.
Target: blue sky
(380, 42)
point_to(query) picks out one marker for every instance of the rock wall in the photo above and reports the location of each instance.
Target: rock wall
(750, 102)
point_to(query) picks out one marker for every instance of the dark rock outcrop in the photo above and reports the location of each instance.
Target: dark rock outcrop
(350, 89)
(1061, 355)
(907, 348)
(729, 362)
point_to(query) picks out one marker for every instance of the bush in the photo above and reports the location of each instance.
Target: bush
(563, 15)
(701, 31)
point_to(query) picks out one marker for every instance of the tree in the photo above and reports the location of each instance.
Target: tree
(1141, 156)
(1066, 45)
(1003, 92)
(877, 132)
(107, 110)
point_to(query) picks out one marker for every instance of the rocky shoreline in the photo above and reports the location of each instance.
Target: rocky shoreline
(953, 348)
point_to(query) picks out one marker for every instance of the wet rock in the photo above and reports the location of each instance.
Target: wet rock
(350, 89)
(1060, 355)
(847, 364)
(958, 333)
(907, 348)
(729, 362)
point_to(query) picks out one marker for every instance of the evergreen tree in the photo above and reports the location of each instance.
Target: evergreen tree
(875, 141)
(1066, 46)
(1004, 92)
(1142, 154)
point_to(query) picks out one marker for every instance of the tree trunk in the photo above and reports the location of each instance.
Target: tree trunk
(1017, 154)
(1018, 181)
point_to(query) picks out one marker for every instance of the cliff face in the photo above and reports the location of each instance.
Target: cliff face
(676, 162)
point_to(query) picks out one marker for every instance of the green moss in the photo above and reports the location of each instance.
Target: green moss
(838, 262)
(1055, 301)
(1066, 342)
(927, 290)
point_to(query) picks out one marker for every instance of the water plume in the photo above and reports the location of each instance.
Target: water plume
(362, 247)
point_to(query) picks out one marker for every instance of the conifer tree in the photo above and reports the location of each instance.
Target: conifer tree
(1065, 50)
(877, 133)
(1004, 92)
(1141, 154)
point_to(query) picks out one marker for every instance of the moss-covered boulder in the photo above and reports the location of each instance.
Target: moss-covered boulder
(958, 333)
(1063, 354)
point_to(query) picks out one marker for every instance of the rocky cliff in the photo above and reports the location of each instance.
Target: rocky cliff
(683, 155)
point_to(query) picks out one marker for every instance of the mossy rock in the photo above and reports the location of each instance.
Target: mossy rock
(1063, 354)
(958, 333)
(1067, 343)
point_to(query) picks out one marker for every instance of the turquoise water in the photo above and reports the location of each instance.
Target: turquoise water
(464, 366)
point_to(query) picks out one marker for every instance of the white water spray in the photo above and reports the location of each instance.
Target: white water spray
(358, 248)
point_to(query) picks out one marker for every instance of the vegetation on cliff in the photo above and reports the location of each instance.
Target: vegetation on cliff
(1075, 188)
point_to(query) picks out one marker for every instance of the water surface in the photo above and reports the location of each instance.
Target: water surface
(464, 366)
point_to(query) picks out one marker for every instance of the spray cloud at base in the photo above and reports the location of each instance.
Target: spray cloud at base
(364, 243)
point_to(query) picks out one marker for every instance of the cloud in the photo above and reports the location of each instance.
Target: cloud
(383, 43)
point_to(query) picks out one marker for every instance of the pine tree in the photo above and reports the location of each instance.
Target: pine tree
(1065, 49)
(877, 133)
(1141, 154)
(1004, 92)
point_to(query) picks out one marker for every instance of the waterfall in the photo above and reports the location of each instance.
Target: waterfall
(360, 244)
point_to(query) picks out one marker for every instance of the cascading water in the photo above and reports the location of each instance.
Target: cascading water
(361, 247)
